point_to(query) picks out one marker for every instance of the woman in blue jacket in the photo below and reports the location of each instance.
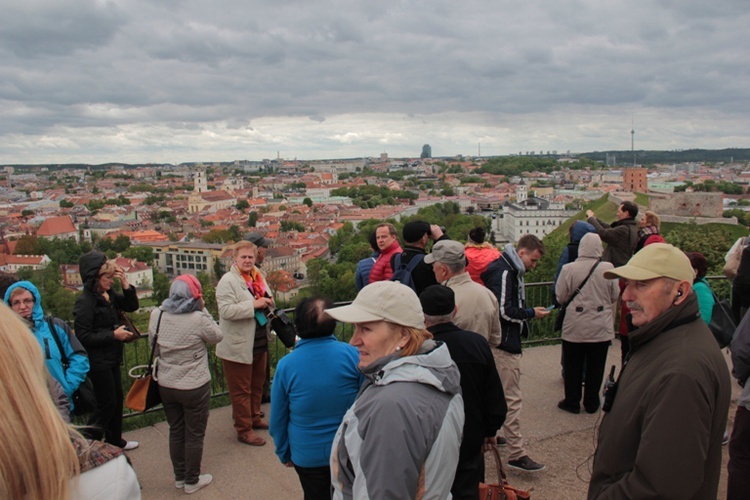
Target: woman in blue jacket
(313, 387)
(24, 298)
(701, 286)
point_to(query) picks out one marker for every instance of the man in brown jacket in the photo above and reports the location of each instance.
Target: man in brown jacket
(661, 436)
(620, 237)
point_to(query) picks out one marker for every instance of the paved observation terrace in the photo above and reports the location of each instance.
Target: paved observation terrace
(558, 439)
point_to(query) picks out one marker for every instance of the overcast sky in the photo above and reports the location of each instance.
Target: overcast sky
(188, 80)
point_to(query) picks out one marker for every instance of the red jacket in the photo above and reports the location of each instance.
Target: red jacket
(382, 270)
(479, 257)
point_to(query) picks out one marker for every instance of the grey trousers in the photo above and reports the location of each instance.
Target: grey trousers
(187, 415)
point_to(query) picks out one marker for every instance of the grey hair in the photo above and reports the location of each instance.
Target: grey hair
(436, 320)
(455, 267)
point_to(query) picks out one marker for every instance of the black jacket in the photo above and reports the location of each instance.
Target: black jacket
(95, 319)
(422, 275)
(501, 277)
(484, 400)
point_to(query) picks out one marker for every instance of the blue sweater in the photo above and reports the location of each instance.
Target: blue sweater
(705, 299)
(313, 387)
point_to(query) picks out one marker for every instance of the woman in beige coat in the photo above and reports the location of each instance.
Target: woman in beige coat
(588, 328)
(242, 297)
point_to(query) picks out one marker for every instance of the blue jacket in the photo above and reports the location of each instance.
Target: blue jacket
(705, 299)
(313, 387)
(362, 274)
(78, 367)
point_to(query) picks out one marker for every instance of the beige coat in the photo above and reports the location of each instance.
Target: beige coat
(477, 309)
(589, 317)
(236, 318)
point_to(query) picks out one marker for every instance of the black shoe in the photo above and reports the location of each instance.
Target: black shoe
(591, 409)
(564, 406)
(501, 441)
(526, 464)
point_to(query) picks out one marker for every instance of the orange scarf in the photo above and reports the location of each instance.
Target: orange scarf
(255, 283)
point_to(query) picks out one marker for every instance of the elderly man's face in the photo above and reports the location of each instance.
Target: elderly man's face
(261, 255)
(648, 299)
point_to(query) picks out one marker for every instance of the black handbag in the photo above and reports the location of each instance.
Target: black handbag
(561, 311)
(283, 326)
(722, 321)
(83, 398)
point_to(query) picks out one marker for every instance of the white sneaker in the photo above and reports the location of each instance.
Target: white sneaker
(179, 484)
(203, 480)
(131, 445)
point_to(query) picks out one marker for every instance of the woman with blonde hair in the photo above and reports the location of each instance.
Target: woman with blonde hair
(242, 297)
(43, 457)
(648, 231)
(401, 437)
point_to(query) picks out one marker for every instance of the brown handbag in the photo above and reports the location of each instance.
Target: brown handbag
(127, 323)
(501, 490)
(144, 393)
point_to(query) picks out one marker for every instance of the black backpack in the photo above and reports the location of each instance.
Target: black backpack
(402, 272)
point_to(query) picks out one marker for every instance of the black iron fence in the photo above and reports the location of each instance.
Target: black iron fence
(542, 331)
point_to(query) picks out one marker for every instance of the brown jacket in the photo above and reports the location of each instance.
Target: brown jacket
(662, 437)
(621, 238)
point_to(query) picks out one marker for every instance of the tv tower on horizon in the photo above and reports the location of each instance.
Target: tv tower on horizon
(632, 140)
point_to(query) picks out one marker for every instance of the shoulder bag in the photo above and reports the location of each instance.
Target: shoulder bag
(283, 326)
(127, 323)
(501, 490)
(83, 398)
(561, 312)
(144, 393)
(722, 321)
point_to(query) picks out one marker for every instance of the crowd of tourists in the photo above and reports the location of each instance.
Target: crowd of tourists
(430, 380)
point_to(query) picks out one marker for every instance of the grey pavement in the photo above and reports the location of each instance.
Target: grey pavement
(242, 471)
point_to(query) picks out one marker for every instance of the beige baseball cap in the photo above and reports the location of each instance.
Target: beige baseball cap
(382, 301)
(447, 252)
(658, 260)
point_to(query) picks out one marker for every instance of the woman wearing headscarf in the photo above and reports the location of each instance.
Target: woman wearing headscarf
(185, 328)
(97, 326)
(401, 437)
(52, 334)
(242, 299)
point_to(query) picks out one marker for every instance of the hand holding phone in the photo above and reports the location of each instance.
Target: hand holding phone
(549, 308)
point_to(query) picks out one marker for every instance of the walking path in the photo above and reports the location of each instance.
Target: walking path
(560, 440)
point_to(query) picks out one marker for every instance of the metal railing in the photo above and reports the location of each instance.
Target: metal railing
(542, 332)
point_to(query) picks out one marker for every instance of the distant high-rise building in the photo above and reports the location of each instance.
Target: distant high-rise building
(426, 151)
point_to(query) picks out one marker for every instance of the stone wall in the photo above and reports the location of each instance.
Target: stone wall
(689, 205)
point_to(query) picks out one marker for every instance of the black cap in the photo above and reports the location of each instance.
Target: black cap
(438, 300)
(414, 230)
(258, 240)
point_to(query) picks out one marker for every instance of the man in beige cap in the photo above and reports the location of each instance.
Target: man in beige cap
(477, 309)
(661, 435)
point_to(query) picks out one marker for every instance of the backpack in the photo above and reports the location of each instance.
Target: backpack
(402, 272)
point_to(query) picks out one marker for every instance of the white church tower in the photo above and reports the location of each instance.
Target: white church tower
(201, 183)
(521, 193)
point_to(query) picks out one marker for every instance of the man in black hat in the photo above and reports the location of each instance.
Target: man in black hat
(484, 400)
(262, 243)
(416, 234)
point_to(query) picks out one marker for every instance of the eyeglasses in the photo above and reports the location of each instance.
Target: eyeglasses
(25, 302)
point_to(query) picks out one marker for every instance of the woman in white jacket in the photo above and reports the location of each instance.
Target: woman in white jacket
(588, 327)
(185, 329)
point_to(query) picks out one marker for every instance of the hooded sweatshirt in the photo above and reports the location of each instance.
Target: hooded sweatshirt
(588, 318)
(78, 367)
(401, 437)
(95, 318)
